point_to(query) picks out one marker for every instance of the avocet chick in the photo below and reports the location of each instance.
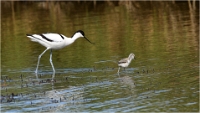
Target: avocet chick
(126, 61)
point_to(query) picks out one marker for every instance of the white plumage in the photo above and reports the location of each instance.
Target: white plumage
(54, 41)
(126, 61)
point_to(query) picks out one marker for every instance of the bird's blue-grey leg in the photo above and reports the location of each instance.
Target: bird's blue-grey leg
(125, 70)
(36, 71)
(52, 63)
(118, 69)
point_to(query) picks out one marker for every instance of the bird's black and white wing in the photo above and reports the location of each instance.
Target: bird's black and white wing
(49, 37)
(123, 61)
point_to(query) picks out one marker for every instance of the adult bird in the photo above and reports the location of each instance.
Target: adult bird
(54, 41)
(126, 61)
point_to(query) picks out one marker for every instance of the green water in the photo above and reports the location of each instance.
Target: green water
(163, 36)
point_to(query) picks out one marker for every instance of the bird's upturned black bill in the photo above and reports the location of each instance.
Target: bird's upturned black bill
(88, 40)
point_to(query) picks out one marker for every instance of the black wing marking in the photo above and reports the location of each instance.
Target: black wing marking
(121, 62)
(46, 38)
(61, 36)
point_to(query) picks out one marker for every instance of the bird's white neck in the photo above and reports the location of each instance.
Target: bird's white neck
(76, 36)
(69, 41)
(131, 56)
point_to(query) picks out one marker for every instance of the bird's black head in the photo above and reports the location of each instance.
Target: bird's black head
(83, 34)
(80, 31)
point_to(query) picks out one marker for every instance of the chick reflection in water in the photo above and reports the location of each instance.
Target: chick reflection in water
(126, 61)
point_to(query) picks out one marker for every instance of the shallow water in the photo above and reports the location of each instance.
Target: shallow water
(163, 36)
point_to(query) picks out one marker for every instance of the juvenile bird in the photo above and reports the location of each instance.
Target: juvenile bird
(125, 61)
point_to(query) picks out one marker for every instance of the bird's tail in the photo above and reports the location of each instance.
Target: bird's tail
(34, 39)
(28, 34)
